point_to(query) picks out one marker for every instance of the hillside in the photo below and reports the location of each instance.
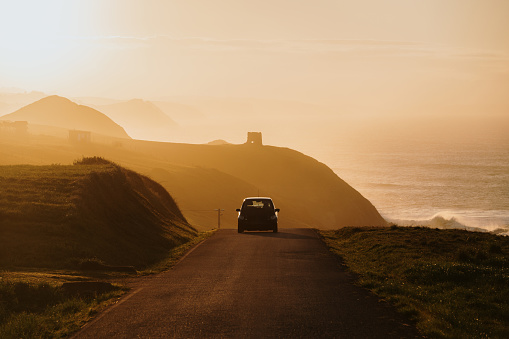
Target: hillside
(308, 192)
(141, 119)
(55, 216)
(203, 178)
(61, 112)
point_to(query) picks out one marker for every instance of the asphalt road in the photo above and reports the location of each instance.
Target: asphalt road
(252, 285)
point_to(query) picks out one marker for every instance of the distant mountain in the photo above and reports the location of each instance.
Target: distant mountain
(218, 142)
(141, 119)
(62, 112)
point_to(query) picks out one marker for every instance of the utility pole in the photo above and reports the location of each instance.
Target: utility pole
(219, 217)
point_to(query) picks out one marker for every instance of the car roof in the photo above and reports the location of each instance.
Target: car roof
(258, 198)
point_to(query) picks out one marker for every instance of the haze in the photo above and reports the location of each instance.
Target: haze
(391, 55)
(324, 77)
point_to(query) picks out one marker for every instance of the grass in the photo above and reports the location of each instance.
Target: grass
(453, 283)
(176, 254)
(57, 216)
(52, 218)
(33, 304)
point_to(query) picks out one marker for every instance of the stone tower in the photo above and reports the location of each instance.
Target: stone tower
(254, 138)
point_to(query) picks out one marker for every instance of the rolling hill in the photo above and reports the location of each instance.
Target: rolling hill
(204, 178)
(55, 216)
(62, 112)
(308, 192)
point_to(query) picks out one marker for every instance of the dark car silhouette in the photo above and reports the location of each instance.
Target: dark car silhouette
(257, 214)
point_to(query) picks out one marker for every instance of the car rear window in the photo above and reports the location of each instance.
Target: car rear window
(257, 203)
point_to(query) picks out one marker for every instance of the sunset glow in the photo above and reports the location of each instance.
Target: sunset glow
(396, 53)
(264, 169)
(328, 78)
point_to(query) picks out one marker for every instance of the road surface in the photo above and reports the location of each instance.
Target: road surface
(252, 285)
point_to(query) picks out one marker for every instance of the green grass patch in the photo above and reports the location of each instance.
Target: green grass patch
(453, 283)
(34, 305)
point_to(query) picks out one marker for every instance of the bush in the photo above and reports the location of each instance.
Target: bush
(93, 161)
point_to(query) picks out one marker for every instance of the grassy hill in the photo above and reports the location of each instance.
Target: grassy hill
(62, 112)
(203, 178)
(308, 192)
(56, 216)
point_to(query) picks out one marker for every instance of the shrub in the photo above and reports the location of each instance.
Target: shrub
(92, 161)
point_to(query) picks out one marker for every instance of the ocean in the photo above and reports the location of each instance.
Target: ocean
(437, 184)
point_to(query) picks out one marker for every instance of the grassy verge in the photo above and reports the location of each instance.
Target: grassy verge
(34, 305)
(176, 253)
(453, 283)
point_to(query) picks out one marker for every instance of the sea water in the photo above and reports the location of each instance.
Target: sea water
(462, 184)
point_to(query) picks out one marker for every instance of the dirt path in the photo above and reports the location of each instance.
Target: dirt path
(252, 285)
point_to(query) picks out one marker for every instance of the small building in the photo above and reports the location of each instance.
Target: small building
(80, 136)
(254, 138)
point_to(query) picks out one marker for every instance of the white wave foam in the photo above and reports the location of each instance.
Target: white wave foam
(451, 220)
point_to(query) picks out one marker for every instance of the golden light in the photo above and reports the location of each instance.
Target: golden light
(35, 39)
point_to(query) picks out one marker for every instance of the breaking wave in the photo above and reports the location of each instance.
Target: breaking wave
(446, 220)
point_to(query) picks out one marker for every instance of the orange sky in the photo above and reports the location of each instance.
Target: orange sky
(391, 56)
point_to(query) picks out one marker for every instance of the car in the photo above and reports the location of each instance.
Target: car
(257, 214)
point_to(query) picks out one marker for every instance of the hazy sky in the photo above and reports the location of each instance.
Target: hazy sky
(392, 55)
